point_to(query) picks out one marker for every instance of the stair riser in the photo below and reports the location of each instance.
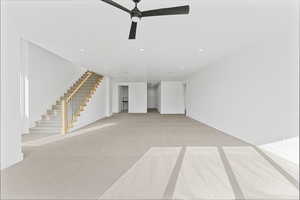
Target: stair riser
(42, 128)
(85, 86)
(54, 112)
(46, 131)
(49, 123)
(52, 129)
(57, 107)
(80, 98)
(52, 117)
(89, 82)
(80, 93)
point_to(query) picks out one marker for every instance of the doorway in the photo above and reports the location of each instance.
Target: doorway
(152, 96)
(123, 99)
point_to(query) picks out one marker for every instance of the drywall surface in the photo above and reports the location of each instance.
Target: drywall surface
(137, 100)
(287, 149)
(49, 77)
(115, 96)
(11, 116)
(138, 97)
(253, 95)
(97, 108)
(109, 97)
(172, 97)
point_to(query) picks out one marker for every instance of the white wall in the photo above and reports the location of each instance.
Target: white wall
(11, 117)
(49, 76)
(287, 149)
(98, 107)
(172, 97)
(137, 97)
(253, 95)
(109, 100)
(115, 96)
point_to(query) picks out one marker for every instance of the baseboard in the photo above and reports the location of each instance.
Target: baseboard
(219, 129)
(287, 149)
(173, 114)
(86, 123)
(12, 160)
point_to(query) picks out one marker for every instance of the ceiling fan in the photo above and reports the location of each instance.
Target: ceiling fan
(136, 14)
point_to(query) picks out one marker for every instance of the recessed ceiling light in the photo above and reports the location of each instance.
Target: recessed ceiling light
(142, 49)
(200, 50)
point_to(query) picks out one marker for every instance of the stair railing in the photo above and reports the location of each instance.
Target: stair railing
(69, 106)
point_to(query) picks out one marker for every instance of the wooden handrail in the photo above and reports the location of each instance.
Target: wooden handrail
(78, 87)
(66, 100)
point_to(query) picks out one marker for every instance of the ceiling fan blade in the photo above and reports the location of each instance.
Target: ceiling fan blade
(132, 30)
(117, 5)
(181, 10)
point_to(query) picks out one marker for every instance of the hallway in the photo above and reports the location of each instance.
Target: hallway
(150, 156)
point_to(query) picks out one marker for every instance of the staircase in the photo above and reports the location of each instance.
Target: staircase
(80, 93)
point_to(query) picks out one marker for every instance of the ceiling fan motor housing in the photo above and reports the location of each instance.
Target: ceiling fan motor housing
(136, 13)
(136, 1)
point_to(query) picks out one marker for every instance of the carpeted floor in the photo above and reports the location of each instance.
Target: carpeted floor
(150, 156)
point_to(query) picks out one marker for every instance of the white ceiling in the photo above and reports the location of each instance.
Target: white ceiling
(95, 35)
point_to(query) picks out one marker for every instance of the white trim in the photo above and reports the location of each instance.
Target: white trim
(11, 160)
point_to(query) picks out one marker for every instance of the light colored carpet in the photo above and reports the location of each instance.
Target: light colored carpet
(150, 156)
(35, 136)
